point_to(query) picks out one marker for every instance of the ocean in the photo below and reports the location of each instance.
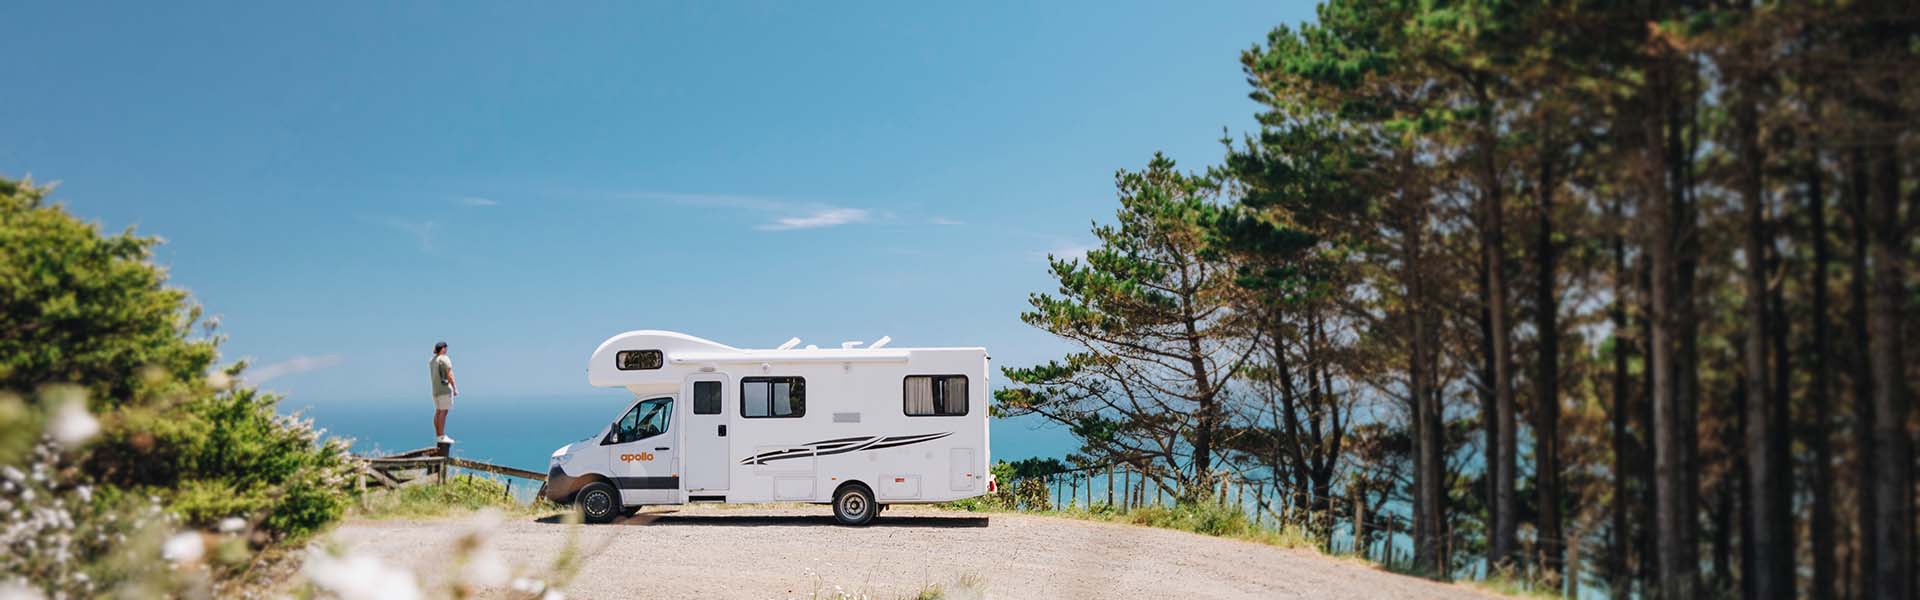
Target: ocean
(523, 431)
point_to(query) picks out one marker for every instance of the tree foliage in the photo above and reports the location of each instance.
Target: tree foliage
(91, 310)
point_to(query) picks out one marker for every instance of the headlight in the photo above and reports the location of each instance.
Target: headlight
(560, 459)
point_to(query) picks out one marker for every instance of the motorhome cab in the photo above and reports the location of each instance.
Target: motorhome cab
(857, 427)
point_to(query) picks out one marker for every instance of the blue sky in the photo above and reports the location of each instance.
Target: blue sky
(344, 185)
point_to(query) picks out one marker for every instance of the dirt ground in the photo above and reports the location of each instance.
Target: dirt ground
(798, 552)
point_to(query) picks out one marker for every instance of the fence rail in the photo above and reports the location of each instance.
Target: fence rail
(427, 464)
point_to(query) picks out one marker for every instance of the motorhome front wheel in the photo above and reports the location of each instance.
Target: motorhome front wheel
(854, 505)
(598, 502)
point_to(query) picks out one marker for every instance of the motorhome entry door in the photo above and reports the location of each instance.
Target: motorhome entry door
(707, 456)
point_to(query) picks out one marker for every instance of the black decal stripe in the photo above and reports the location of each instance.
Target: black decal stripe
(843, 446)
(647, 483)
(861, 446)
(835, 441)
(837, 445)
(905, 442)
(788, 453)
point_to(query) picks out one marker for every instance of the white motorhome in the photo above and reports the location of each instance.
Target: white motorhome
(857, 427)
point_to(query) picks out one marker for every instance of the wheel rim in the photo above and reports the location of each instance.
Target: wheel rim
(597, 503)
(853, 505)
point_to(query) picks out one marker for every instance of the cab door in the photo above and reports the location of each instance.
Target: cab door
(640, 449)
(707, 456)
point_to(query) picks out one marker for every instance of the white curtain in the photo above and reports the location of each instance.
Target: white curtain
(920, 395)
(954, 401)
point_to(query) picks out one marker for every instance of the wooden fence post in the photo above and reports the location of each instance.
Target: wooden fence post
(1109, 486)
(1240, 499)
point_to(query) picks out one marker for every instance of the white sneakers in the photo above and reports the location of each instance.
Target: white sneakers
(444, 440)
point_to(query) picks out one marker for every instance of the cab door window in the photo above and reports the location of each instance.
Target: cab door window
(645, 420)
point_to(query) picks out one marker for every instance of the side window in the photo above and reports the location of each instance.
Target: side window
(935, 396)
(647, 419)
(706, 397)
(637, 360)
(773, 397)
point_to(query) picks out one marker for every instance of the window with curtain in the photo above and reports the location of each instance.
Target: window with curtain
(773, 397)
(935, 395)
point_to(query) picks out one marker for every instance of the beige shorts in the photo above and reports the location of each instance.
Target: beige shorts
(443, 402)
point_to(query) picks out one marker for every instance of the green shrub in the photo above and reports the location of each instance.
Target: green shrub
(92, 327)
(90, 309)
(1015, 493)
(458, 494)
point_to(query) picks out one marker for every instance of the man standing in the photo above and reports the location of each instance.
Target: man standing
(440, 369)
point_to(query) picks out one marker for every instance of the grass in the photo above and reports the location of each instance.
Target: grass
(1221, 521)
(1513, 586)
(459, 495)
(1202, 518)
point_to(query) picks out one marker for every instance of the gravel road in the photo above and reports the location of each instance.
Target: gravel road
(766, 552)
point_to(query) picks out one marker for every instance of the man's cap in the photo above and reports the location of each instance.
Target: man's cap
(438, 347)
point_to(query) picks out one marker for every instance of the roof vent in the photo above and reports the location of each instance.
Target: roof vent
(883, 341)
(791, 342)
(849, 344)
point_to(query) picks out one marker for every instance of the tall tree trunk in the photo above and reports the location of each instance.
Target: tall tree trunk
(1780, 437)
(1621, 582)
(1429, 497)
(1819, 435)
(1768, 477)
(1674, 497)
(1647, 469)
(1546, 425)
(1892, 483)
(1209, 418)
(1861, 375)
(1737, 447)
(1686, 361)
(1506, 518)
(1490, 426)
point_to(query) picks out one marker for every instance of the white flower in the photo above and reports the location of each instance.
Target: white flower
(13, 590)
(359, 577)
(71, 423)
(86, 493)
(485, 567)
(232, 524)
(13, 474)
(553, 595)
(528, 585)
(183, 547)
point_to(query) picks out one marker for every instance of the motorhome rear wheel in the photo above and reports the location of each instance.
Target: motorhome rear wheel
(854, 506)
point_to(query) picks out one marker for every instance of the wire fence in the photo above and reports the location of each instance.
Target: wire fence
(1378, 529)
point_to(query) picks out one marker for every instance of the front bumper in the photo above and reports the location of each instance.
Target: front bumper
(561, 486)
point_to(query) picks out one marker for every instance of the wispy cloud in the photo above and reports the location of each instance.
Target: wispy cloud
(829, 217)
(786, 215)
(478, 201)
(1067, 250)
(421, 231)
(945, 221)
(297, 364)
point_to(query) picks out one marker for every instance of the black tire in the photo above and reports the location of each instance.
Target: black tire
(853, 505)
(598, 502)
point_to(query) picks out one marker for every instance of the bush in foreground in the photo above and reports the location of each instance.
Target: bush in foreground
(110, 410)
(457, 495)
